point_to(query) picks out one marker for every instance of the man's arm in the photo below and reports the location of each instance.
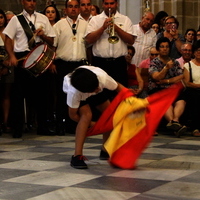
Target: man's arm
(119, 87)
(47, 39)
(126, 37)
(95, 35)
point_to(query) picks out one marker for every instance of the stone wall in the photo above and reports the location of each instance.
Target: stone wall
(16, 7)
(187, 12)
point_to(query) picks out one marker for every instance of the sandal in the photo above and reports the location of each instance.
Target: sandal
(196, 133)
(181, 131)
(173, 125)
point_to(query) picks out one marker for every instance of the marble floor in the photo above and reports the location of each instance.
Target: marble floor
(37, 168)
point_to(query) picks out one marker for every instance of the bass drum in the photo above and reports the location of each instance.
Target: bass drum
(39, 59)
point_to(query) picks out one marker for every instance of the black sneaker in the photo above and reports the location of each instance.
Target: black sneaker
(78, 162)
(103, 155)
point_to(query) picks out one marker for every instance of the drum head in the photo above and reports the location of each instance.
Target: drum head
(34, 56)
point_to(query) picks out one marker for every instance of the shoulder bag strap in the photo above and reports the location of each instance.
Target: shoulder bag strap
(26, 27)
(190, 69)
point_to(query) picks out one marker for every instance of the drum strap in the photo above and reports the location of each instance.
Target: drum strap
(26, 27)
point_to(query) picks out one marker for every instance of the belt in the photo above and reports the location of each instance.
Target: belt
(81, 62)
(110, 59)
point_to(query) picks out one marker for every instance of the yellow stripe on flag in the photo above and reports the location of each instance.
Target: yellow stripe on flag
(128, 120)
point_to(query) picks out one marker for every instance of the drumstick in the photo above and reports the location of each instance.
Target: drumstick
(31, 41)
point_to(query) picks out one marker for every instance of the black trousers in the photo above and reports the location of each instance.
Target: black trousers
(114, 67)
(34, 90)
(63, 68)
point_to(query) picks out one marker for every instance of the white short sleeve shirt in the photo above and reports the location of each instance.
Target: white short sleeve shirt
(74, 96)
(102, 48)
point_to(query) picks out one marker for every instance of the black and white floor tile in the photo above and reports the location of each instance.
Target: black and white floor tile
(38, 168)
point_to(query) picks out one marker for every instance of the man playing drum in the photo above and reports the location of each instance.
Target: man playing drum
(26, 85)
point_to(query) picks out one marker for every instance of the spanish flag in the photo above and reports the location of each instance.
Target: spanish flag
(132, 122)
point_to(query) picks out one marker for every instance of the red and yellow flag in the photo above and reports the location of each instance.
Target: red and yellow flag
(133, 122)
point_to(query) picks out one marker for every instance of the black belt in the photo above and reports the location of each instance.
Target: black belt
(81, 62)
(110, 59)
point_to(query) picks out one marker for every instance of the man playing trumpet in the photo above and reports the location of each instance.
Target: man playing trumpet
(110, 55)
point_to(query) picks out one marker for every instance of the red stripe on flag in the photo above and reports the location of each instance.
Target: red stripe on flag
(105, 122)
(126, 156)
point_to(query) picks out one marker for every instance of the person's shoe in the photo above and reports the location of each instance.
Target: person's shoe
(181, 131)
(173, 125)
(45, 131)
(78, 162)
(6, 128)
(103, 155)
(196, 133)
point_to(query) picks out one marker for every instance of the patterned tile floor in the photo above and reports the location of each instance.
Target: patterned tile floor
(37, 168)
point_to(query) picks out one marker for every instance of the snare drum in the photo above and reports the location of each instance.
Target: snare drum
(39, 59)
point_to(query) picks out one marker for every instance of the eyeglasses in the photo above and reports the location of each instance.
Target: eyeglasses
(157, 27)
(32, 26)
(74, 29)
(167, 23)
(154, 54)
(198, 50)
(189, 50)
(198, 34)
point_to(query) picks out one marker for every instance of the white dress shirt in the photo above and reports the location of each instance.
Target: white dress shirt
(102, 48)
(14, 30)
(143, 43)
(70, 47)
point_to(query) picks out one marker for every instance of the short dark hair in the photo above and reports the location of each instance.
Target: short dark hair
(161, 40)
(97, 9)
(190, 29)
(196, 46)
(131, 48)
(57, 12)
(84, 80)
(4, 16)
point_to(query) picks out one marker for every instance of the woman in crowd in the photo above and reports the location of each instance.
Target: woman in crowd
(95, 10)
(171, 32)
(165, 71)
(156, 27)
(198, 34)
(160, 19)
(190, 36)
(192, 93)
(52, 13)
(6, 77)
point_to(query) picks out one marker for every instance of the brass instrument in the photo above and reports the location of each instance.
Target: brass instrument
(113, 39)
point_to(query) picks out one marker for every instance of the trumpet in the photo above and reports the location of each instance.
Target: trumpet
(113, 39)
